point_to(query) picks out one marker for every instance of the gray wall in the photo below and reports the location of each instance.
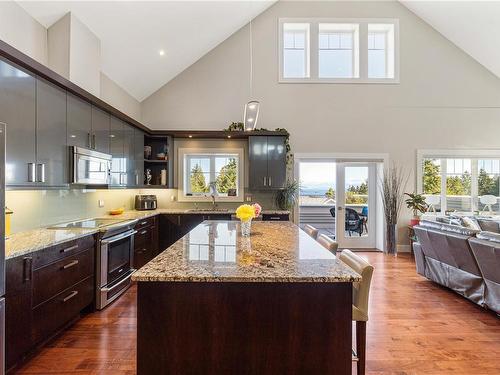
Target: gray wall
(445, 99)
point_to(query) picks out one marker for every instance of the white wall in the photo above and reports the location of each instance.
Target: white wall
(445, 99)
(85, 57)
(120, 99)
(22, 31)
(67, 47)
(58, 44)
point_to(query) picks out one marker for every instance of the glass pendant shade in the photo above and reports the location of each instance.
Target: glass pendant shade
(251, 115)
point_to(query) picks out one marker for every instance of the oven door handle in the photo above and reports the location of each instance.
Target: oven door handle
(125, 279)
(119, 237)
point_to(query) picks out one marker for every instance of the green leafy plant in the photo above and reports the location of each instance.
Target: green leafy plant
(416, 203)
(235, 127)
(286, 198)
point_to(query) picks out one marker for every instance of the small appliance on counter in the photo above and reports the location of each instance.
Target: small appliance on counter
(145, 202)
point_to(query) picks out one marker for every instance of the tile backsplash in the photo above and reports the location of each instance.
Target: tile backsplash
(41, 208)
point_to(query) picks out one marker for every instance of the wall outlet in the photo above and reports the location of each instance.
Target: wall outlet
(100, 202)
(172, 198)
(248, 198)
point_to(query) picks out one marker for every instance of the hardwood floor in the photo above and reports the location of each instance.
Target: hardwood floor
(415, 327)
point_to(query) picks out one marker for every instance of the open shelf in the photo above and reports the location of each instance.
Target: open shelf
(160, 144)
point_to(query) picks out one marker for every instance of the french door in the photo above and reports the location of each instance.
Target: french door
(355, 204)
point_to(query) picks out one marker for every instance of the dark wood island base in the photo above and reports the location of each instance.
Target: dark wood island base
(244, 328)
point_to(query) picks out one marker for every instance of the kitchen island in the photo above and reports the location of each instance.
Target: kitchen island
(219, 303)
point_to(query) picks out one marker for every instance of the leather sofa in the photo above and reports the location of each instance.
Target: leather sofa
(462, 259)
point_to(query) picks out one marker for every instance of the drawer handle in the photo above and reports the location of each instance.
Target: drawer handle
(144, 223)
(274, 218)
(69, 296)
(69, 249)
(144, 231)
(70, 264)
(141, 251)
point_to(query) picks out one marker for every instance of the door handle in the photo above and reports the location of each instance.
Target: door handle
(70, 264)
(136, 178)
(89, 140)
(265, 181)
(27, 268)
(31, 172)
(144, 231)
(270, 181)
(40, 172)
(74, 247)
(93, 141)
(69, 296)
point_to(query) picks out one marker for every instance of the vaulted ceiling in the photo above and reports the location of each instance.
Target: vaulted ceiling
(474, 26)
(133, 33)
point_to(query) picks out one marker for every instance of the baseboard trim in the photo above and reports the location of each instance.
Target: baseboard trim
(403, 248)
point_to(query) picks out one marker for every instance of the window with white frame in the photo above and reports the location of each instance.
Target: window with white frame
(338, 50)
(461, 180)
(295, 50)
(205, 172)
(322, 50)
(380, 50)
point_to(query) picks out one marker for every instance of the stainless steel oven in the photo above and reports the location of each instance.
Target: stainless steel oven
(115, 258)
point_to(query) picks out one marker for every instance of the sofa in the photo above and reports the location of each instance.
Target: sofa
(463, 259)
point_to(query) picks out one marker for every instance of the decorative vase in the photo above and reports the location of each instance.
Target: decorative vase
(415, 221)
(246, 227)
(391, 239)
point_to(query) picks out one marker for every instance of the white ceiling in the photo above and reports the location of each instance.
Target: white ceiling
(133, 32)
(474, 26)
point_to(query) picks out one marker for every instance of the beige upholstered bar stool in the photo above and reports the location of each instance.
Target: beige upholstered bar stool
(328, 243)
(312, 231)
(360, 297)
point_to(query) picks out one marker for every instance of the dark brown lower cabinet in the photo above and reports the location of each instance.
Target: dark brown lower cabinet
(145, 241)
(45, 291)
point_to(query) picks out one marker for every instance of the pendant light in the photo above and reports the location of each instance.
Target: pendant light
(251, 113)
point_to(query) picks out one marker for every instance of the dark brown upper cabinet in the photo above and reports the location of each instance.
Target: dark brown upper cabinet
(101, 122)
(129, 178)
(51, 149)
(267, 162)
(116, 149)
(79, 122)
(18, 112)
(139, 157)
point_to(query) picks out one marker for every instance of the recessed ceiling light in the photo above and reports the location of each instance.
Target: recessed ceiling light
(161, 52)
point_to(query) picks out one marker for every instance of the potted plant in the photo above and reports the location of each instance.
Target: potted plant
(416, 203)
(286, 198)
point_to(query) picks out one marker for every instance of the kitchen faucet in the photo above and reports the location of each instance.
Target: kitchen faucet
(213, 193)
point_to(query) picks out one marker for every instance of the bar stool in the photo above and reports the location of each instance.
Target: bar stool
(360, 297)
(328, 243)
(312, 231)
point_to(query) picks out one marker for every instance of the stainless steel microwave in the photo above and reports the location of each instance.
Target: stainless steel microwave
(89, 167)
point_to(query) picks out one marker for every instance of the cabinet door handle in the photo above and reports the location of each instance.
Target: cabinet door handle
(93, 141)
(144, 223)
(144, 231)
(74, 247)
(265, 181)
(31, 172)
(27, 268)
(179, 220)
(69, 296)
(270, 181)
(89, 140)
(136, 178)
(70, 264)
(40, 173)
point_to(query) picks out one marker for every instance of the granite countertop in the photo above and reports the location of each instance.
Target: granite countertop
(215, 251)
(27, 242)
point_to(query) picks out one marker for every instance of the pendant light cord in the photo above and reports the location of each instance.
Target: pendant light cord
(251, 61)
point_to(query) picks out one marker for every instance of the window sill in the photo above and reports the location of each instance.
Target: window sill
(389, 81)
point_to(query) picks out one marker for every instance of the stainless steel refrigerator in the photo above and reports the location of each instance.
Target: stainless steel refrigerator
(2, 248)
